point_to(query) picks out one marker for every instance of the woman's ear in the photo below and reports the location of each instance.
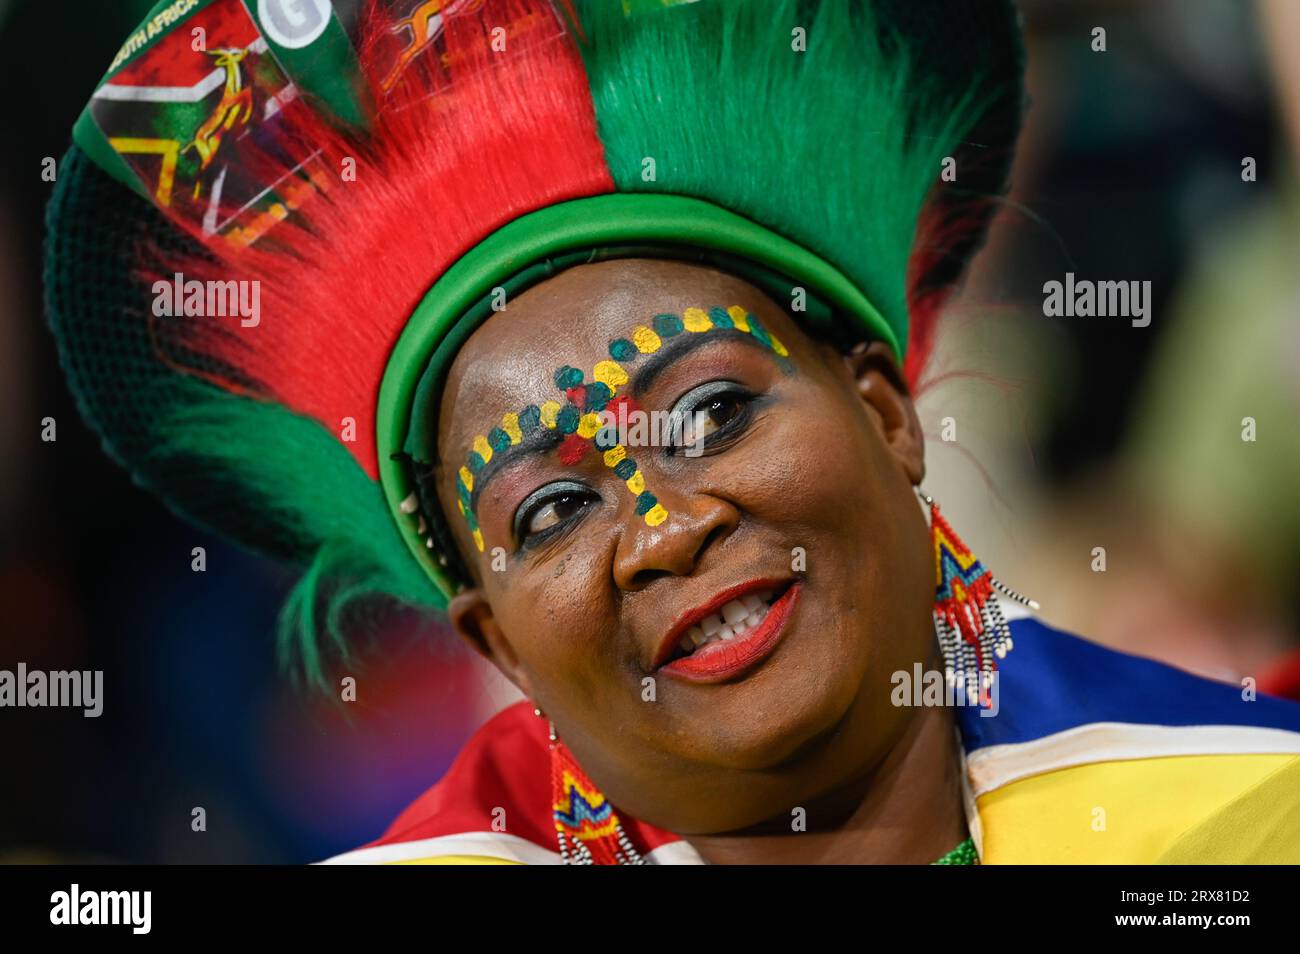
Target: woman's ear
(881, 386)
(471, 617)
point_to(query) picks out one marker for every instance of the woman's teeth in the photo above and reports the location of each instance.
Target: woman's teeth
(734, 619)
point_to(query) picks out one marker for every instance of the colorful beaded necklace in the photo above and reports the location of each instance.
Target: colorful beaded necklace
(963, 854)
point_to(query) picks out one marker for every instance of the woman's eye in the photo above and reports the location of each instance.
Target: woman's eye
(549, 507)
(708, 409)
(548, 515)
(716, 412)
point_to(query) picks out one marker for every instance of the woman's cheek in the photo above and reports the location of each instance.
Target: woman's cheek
(801, 472)
(557, 613)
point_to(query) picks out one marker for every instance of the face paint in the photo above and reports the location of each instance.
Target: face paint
(579, 417)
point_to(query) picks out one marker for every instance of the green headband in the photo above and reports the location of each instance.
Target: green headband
(540, 244)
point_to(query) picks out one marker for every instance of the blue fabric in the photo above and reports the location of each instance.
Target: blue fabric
(1052, 681)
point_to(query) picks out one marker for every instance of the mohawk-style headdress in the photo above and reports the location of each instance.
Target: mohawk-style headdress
(280, 221)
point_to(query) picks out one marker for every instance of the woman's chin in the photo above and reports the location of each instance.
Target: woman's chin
(776, 716)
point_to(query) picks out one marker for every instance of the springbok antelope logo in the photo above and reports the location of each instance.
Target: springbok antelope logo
(425, 24)
(225, 116)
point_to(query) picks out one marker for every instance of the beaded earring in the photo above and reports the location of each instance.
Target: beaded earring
(968, 620)
(586, 824)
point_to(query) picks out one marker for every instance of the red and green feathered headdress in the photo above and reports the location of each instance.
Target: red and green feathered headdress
(368, 177)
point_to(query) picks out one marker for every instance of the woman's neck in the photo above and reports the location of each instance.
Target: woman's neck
(909, 810)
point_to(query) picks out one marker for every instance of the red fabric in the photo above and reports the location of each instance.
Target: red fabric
(172, 61)
(431, 179)
(506, 764)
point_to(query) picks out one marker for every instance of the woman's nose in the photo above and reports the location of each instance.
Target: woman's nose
(695, 523)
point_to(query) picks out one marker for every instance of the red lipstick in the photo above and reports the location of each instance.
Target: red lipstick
(721, 660)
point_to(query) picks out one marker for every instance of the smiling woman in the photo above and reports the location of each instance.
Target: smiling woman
(725, 213)
(618, 594)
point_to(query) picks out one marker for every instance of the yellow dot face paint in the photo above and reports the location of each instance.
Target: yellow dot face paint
(589, 421)
(646, 341)
(696, 320)
(610, 374)
(510, 424)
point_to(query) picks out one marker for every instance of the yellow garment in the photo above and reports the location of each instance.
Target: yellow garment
(1094, 757)
(1179, 809)
(1261, 827)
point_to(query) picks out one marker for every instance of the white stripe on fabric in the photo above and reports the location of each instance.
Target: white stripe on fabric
(973, 824)
(493, 845)
(677, 852)
(486, 844)
(124, 92)
(994, 766)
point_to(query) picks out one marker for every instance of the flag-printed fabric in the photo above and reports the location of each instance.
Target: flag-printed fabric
(1093, 757)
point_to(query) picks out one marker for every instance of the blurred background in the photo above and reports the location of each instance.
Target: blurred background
(1052, 440)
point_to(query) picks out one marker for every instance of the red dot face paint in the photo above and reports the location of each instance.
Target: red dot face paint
(573, 450)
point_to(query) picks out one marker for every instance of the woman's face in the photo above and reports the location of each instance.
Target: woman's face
(797, 520)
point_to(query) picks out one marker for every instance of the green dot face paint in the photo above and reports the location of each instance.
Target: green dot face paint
(530, 418)
(567, 377)
(597, 396)
(582, 421)
(667, 325)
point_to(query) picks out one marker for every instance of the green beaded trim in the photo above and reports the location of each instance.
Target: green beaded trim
(963, 854)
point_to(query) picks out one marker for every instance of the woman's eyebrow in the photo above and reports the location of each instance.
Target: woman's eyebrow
(539, 442)
(577, 425)
(678, 347)
(542, 441)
